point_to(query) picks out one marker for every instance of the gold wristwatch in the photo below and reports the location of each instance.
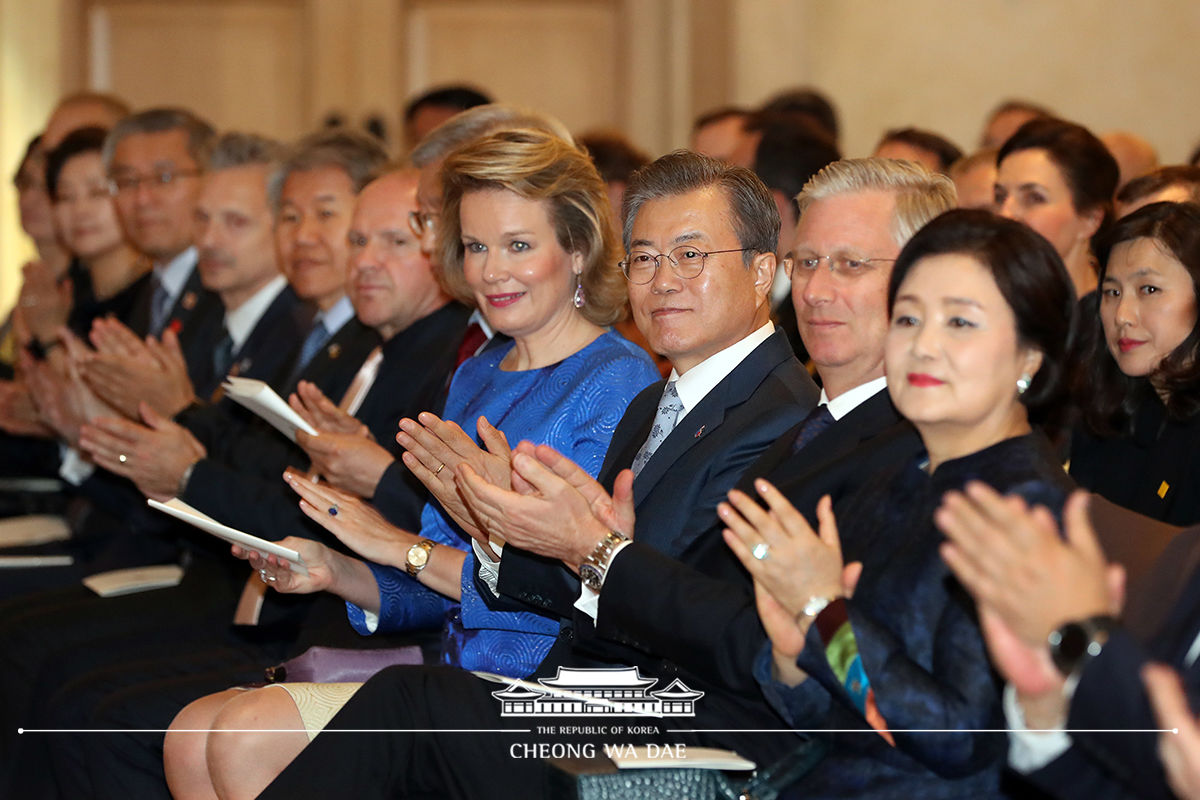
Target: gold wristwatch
(418, 556)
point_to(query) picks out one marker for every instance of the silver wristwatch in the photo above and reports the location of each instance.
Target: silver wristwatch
(595, 567)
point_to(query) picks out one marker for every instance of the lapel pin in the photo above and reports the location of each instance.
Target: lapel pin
(1163, 488)
(189, 301)
(335, 350)
(700, 432)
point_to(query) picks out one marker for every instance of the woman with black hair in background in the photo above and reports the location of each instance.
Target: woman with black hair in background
(1140, 394)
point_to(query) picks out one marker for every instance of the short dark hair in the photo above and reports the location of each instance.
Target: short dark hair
(809, 102)
(946, 151)
(200, 134)
(791, 149)
(355, 153)
(1033, 281)
(755, 217)
(1087, 167)
(459, 97)
(1162, 178)
(615, 157)
(76, 143)
(1108, 396)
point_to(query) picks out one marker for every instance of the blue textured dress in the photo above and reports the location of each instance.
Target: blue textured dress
(573, 406)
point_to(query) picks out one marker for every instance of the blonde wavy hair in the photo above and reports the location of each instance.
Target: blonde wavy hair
(540, 166)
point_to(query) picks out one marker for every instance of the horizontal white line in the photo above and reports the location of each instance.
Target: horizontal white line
(530, 730)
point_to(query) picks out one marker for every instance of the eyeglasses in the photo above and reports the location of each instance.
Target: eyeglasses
(841, 265)
(421, 222)
(640, 267)
(159, 179)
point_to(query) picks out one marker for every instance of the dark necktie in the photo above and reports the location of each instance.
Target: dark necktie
(223, 356)
(817, 420)
(160, 306)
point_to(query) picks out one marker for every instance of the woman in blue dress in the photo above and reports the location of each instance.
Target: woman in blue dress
(525, 235)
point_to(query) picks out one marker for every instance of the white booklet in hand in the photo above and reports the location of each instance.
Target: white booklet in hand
(181, 510)
(263, 401)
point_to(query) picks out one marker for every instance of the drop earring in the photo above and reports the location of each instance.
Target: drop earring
(580, 299)
(1023, 383)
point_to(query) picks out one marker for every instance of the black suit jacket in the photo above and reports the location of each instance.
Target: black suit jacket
(249, 494)
(264, 354)
(196, 317)
(259, 446)
(676, 493)
(704, 617)
(767, 395)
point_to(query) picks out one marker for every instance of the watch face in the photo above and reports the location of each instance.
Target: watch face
(1067, 646)
(417, 556)
(591, 577)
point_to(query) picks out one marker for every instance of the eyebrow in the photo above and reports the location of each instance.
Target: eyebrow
(962, 301)
(689, 236)
(325, 198)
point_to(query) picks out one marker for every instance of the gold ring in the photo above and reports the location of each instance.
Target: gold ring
(439, 469)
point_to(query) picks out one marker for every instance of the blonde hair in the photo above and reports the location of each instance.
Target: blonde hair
(920, 194)
(537, 165)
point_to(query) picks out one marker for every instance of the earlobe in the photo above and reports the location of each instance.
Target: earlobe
(577, 263)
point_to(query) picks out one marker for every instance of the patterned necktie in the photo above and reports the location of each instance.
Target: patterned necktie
(817, 420)
(160, 306)
(669, 408)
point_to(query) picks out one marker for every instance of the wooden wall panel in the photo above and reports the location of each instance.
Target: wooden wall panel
(240, 63)
(560, 56)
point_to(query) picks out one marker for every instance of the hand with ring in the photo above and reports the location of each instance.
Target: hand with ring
(328, 570)
(433, 444)
(790, 563)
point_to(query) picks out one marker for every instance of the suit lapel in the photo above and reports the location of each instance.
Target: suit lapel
(709, 413)
(870, 417)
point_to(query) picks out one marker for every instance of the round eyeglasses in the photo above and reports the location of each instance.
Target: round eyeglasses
(641, 266)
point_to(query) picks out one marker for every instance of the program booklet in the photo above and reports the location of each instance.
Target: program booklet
(181, 510)
(263, 401)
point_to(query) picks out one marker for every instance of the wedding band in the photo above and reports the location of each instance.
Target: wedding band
(262, 574)
(333, 509)
(271, 579)
(122, 458)
(438, 471)
(761, 551)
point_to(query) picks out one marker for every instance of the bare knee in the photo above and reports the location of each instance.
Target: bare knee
(185, 746)
(254, 737)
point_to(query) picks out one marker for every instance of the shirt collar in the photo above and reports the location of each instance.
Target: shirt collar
(174, 274)
(695, 384)
(240, 322)
(337, 315)
(847, 401)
